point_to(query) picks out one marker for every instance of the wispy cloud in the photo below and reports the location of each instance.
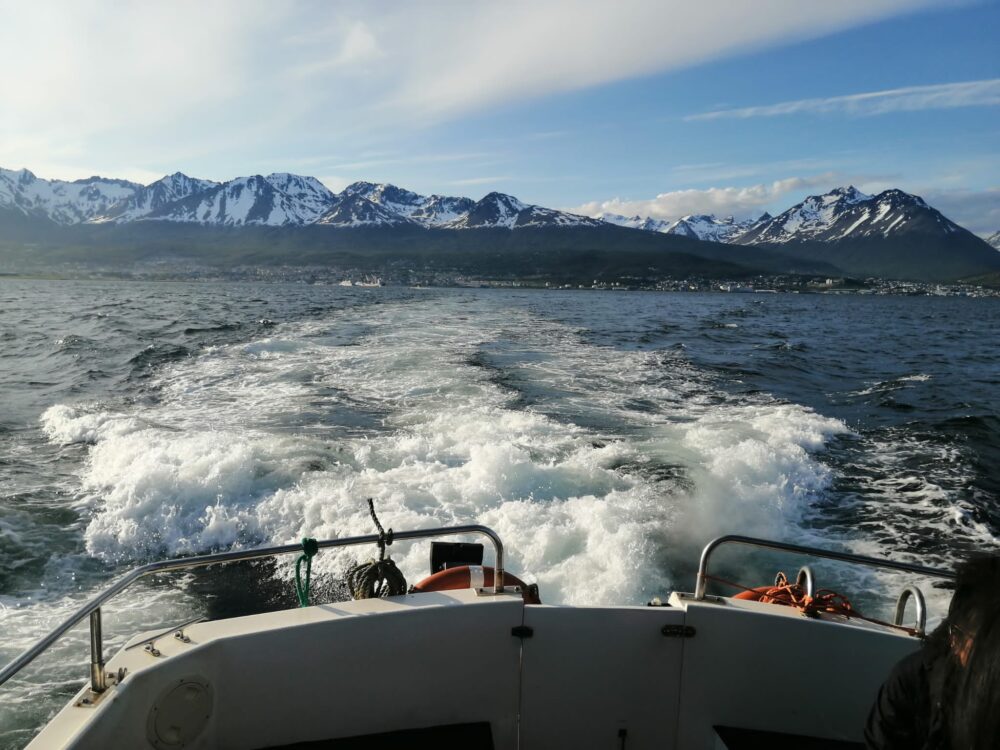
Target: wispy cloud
(254, 74)
(738, 201)
(984, 93)
(716, 172)
(521, 50)
(479, 181)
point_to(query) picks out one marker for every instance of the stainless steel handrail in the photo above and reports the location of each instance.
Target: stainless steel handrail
(701, 583)
(806, 580)
(93, 607)
(921, 605)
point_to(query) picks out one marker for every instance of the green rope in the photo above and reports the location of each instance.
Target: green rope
(309, 548)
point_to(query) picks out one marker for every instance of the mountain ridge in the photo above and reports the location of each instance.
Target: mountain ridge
(278, 199)
(844, 231)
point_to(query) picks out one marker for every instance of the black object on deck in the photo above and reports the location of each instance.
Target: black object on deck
(476, 736)
(454, 554)
(756, 739)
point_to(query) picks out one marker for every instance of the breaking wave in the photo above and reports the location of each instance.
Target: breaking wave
(592, 463)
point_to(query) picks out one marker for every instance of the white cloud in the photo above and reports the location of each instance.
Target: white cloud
(910, 99)
(484, 54)
(518, 50)
(976, 210)
(722, 201)
(357, 48)
(154, 86)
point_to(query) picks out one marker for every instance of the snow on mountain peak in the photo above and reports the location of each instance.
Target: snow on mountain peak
(848, 213)
(648, 223)
(850, 194)
(352, 209)
(61, 201)
(428, 211)
(709, 227)
(286, 199)
(499, 210)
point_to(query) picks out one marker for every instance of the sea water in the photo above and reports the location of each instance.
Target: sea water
(606, 436)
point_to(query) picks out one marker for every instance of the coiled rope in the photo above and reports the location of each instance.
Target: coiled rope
(376, 578)
(824, 601)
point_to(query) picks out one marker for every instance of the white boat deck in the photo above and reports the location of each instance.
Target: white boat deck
(538, 676)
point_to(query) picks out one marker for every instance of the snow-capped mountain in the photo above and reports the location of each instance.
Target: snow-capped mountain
(994, 240)
(276, 200)
(355, 210)
(254, 200)
(843, 232)
(494, 210)
(429, 211)
(152, 198)
(289, 200)
(848, 214)
(60, 201)
(311, 197)
(713, 229)
(506, 211)
(279, 199)
(844, 213)
(648, 223)
(696, 226)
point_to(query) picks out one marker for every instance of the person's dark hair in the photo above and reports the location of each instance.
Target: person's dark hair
(974, 715)
(972, 628)
(977, 588)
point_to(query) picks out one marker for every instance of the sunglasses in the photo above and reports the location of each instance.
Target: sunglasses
(957, 632)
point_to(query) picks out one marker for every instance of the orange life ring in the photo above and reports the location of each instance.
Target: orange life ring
(473, 577)
(754, 595)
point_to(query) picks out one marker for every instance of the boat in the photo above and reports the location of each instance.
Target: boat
(471, 658)
(370, 281)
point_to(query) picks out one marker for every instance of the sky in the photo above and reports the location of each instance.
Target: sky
(662, 107)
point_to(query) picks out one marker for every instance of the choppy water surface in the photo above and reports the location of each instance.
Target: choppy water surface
(606, 436)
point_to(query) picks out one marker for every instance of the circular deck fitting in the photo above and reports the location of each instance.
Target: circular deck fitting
(179, 713)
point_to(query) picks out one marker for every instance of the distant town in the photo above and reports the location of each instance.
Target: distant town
(327, 276)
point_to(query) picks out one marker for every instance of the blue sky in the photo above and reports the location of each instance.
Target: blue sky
(660, 108)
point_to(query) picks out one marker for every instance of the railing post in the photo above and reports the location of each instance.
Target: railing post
(98, 679)
(701, 582)
(921, 605)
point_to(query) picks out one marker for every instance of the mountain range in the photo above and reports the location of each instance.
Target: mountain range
(279, 199)
(844, 231)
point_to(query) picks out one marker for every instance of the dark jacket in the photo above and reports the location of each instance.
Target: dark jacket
(907, 714)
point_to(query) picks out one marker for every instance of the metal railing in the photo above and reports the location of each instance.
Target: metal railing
(918, 602)
(92, 609)
(701, 583)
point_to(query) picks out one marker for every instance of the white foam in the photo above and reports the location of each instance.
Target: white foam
(72, 424)
(755, 474)
(226, 458)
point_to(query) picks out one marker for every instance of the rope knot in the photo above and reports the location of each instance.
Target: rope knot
(309, 549)
(376, 578)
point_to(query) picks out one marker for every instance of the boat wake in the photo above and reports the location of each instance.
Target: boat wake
(600, 468)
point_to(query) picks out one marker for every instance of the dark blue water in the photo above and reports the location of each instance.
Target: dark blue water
(606, 436)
